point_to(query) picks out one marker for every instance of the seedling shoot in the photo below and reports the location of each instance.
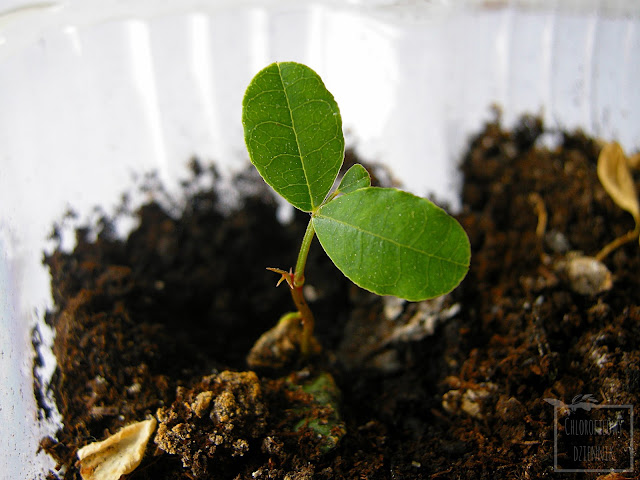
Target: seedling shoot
(385, 240)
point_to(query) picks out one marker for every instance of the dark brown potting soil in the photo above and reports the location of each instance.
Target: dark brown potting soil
(453, 388)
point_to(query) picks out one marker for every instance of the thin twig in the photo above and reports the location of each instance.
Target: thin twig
(618, 242)
(541, 211)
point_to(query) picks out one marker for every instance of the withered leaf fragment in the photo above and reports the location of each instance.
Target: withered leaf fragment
(118, 455)
(614, 173)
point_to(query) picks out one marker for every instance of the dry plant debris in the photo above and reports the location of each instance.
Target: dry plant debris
(118, 455)
(614, 172)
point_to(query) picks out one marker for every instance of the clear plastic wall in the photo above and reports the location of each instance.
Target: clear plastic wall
(94, 92)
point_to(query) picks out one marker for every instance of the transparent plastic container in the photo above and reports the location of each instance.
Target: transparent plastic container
(94, 92)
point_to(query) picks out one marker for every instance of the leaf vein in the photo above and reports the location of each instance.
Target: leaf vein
(386, 239)
(295, 133)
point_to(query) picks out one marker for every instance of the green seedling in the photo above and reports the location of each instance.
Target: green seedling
(385, 240)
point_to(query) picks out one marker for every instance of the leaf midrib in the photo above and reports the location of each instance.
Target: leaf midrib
(295, 133)
(376, 235)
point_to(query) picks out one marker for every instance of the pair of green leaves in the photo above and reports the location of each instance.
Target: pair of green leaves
(385, 240)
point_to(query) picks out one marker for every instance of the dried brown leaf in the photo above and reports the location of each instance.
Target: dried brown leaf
(615, 175)
(118, 455)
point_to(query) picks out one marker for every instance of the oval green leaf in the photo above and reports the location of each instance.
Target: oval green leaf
(391, 242)
(356, 178)
(293, 132)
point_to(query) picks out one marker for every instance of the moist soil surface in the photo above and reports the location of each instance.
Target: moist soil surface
(160, 324)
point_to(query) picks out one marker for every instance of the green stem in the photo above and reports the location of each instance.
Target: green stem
(296, 291)
(298, 275)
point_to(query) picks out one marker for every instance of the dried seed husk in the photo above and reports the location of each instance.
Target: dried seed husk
(117, 455)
